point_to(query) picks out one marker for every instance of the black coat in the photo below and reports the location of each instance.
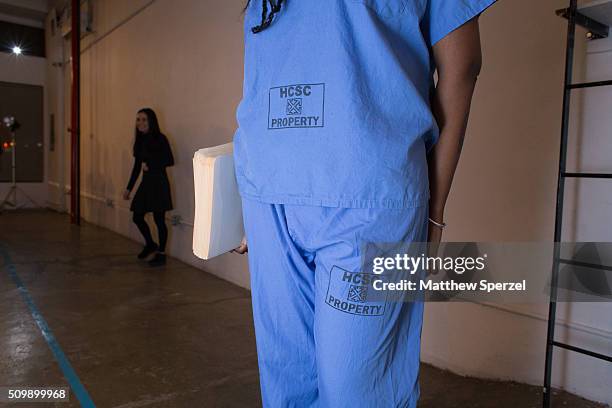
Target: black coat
(153, 193)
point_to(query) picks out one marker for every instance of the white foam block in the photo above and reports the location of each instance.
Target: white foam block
(218, 226)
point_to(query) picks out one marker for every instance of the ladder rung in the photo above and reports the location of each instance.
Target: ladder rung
(583, 351)
(586, 264)
(590, 84)
(587, 175)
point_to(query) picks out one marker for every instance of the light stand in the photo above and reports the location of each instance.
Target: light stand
(10, 200)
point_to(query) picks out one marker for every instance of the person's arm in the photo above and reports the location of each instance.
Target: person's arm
(168, 157)
(458, 60)
(133, 177)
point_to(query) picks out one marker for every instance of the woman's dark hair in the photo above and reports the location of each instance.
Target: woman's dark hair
(266, 18)
(153, 122)
(153, 129)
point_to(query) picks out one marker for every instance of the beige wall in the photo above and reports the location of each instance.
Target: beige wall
(58, 95)
(505, 190)
(184, 59)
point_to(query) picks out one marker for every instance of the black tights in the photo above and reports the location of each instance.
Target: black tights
(160, 222)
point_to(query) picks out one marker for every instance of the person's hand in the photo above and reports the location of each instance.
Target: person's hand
(434, 237)
(126, 195)
(145, 167)
(243, 248)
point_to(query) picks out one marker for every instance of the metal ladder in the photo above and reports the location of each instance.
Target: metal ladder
(595, 30)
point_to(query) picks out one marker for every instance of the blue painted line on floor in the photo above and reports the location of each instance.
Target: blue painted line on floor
(73, 379)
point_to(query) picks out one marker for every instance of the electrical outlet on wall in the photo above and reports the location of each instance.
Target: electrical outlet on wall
(176, 220)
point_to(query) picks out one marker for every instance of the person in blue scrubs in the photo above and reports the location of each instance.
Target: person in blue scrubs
(344, 138)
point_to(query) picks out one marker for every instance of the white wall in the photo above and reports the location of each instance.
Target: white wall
(58, 98)
(184, 59)
(31, 71)
(505, 190)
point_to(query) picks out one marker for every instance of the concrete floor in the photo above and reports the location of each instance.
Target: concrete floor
(141, 337)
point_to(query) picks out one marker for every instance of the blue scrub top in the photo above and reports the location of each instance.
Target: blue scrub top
(335, 108)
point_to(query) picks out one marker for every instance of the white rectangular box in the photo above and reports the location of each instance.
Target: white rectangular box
(218, 226)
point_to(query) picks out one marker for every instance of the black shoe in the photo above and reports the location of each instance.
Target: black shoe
(158, 260)
(147, 250)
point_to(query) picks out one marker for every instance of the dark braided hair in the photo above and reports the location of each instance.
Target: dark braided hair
(266, 18)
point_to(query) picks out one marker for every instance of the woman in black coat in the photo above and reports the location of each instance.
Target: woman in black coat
(152, 154)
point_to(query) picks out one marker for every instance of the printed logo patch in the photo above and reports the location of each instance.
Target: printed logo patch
(350, 293)
(296, 106)
(358, 294)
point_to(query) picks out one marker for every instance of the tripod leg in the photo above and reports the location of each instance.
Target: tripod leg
(7, 202)
(30, 199)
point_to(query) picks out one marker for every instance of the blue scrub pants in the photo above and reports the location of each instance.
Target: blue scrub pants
(320, 341)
